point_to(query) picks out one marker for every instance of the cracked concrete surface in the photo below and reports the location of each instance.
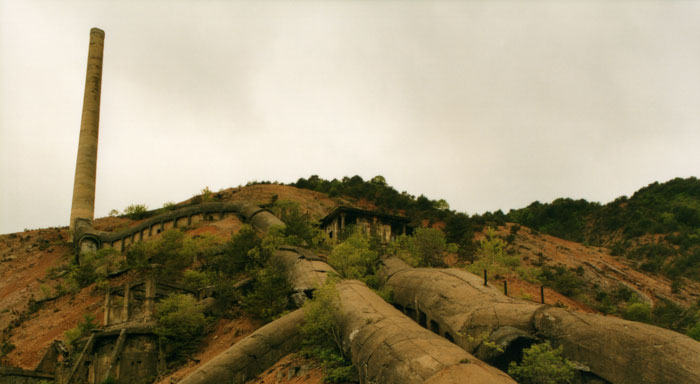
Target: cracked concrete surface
(253, 354)
(617, 350)
(387, 347)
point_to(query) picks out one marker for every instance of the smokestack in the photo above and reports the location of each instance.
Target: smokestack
(86, 166)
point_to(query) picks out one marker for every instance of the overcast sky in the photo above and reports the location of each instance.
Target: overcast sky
(487, 104)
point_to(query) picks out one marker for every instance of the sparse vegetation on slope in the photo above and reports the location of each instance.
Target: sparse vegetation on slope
(658, 227)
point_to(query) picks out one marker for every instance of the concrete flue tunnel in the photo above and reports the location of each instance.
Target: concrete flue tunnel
(86, 238)
(385, 345)
(615, 350)
(253, 354)
(388, 347)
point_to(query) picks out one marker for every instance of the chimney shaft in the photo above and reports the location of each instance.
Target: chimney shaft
(83, 206)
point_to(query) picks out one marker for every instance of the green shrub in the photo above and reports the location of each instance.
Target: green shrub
(247, 252)
(542, 365)
(136, 211)
(638, 312)
(196, 280)
(426, 247)
(322, 337)
(94, 267)
(353, 258)
(493, 258)
(236, 253)
(401, 248)
(180, 324)
(429, 245)
(670, 315)
(694, 332)
(206, 195)
(270, 295)
(166, 256)
(74, 335)
(562, 280)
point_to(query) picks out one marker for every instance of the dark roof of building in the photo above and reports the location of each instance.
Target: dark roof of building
(364, 213)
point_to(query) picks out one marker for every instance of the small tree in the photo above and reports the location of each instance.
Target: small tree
(166, 256)
(322, 336)
(180, 324)
(206, 195)
(428, 246)
(270, 294)
(80, 331)
(169, 206)
(353, 258)
(542, 364)
(492, 256)
(236, 255)
(491, 247)
(93, 267)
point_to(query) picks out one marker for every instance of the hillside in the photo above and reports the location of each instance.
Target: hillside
(657, 228)
(39, 304)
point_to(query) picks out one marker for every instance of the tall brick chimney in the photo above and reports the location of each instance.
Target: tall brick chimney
(83, 206)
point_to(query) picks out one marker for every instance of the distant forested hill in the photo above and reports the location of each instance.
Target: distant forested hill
(659, 226)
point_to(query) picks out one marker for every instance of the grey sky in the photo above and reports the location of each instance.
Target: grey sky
(488, 105)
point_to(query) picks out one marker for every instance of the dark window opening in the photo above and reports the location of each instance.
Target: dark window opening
(512, 352)
(449, 337)
(410, 312)
(434, 326)
(422, 319)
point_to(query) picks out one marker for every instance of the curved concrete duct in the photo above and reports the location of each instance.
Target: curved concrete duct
(85, 237)
(387, 347)
(305, 271)
(261, 218)
(253, 354)
(616, 350)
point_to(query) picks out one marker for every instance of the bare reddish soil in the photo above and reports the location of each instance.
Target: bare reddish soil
(291, 369)
(225, 333)
(599, 266)
(24, 260)
(49, 323)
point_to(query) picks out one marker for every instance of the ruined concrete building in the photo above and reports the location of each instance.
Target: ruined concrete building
(127, 348)
(386, 226)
